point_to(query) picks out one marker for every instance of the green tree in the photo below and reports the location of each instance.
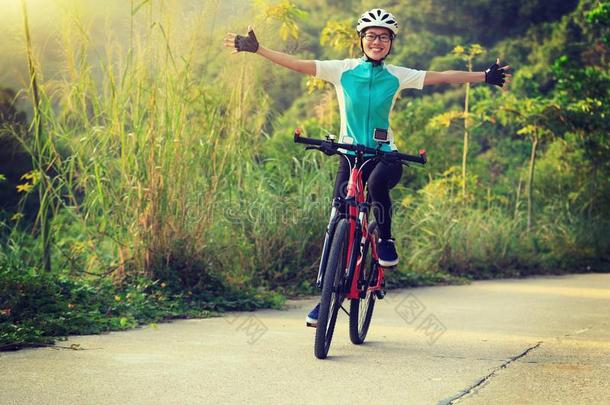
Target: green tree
(482, 21)
(584, 95)
(468, 54)
(535, 119)
(287, 14)
(599, 17)
(341, 36)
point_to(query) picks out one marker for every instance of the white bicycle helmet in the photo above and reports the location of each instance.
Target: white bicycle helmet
(377, 17)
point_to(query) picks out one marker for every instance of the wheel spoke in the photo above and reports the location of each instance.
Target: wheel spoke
(363, 308)
(361, 311)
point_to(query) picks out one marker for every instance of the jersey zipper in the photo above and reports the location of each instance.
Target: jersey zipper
(368, 117)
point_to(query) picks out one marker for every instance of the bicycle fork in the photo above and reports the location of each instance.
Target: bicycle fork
(354, 276)
(328, 239)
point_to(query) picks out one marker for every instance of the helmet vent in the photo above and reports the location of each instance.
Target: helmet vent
(379, 18)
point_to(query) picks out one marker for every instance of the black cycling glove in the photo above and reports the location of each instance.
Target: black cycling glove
(495, 75)
(247, 44)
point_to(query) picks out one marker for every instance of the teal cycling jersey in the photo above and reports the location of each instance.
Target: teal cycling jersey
(366, 93)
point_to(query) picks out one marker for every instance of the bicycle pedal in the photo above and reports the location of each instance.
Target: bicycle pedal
(311, 325)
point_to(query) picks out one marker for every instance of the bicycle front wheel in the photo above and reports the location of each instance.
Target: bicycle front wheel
(361, 310)
(332, 290)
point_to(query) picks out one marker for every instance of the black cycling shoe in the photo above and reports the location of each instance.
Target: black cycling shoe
(387, 253)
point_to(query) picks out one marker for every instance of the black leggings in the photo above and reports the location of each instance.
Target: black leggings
(381, 177)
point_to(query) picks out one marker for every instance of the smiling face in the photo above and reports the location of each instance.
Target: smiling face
(376, 49)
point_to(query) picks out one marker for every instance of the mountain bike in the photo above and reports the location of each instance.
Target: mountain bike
(349, 266)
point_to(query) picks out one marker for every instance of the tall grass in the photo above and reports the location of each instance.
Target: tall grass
(157, 161)
(41, 150)
(146, 144)
(483, 240)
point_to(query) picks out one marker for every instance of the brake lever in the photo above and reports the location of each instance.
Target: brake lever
(322, 148)
(328, 151)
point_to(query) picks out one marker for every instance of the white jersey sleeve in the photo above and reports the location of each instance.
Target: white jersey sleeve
(409, 78)
(330, 70)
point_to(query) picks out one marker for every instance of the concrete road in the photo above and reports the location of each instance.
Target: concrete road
(539, 340)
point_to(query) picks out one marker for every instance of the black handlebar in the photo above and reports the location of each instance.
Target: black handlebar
(331, 147)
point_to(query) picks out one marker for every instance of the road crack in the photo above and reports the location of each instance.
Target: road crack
(455, 399)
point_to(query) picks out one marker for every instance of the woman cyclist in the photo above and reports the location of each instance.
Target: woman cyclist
(366, 90)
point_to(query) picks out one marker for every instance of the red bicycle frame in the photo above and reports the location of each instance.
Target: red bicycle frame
(358, 220)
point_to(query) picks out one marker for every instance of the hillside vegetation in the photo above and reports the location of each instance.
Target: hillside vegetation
(154, 176)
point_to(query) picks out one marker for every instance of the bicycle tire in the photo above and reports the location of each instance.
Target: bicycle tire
(361, 310)
(332, 294)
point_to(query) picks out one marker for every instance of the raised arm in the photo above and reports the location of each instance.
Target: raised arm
(307, 67)
(249, 43)
(495, 75)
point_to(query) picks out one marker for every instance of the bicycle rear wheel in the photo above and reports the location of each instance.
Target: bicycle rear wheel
(361, 310)
(332, 293)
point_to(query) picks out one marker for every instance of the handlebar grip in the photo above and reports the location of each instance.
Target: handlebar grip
(421, 159)
(422, 154)
(306, 141)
